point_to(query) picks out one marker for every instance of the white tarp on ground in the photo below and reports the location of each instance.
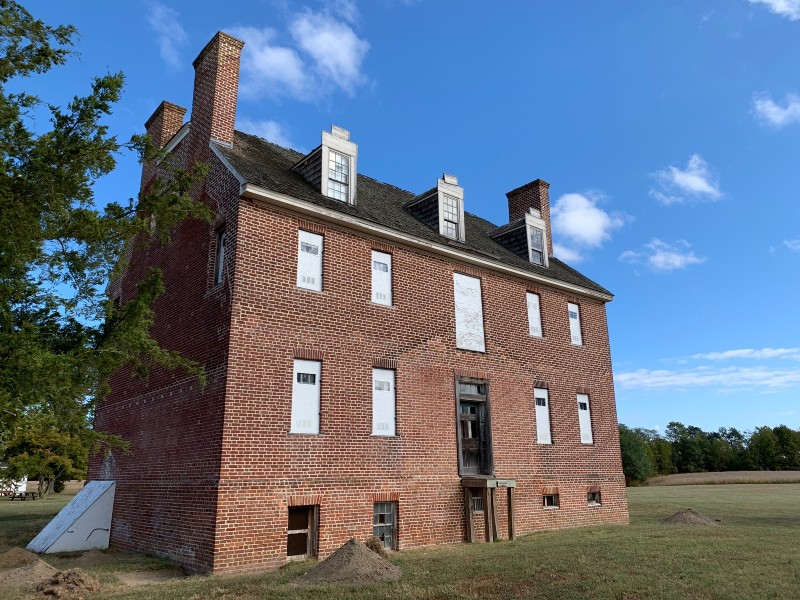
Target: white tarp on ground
(83, 524)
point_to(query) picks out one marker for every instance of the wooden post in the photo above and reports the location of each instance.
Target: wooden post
(494, 513)
(468, 514)
(488, 510)
(511, 513)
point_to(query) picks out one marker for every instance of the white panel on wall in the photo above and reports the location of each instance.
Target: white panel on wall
(309, 260)
(534, 315)
(585, 419)
(542, 416)
(383, 402)
(305, 396)
(575, 324)
(469, 312)
(381, 278)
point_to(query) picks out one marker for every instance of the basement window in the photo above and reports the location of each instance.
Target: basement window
(384, 523)
(550, 501)
(301, 533)
(593, 498)
(477, 504)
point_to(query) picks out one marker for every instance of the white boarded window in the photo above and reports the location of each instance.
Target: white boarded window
(383, 402)
(585, 419)
(575, 324)
(542, 401)
(381, 278)
(305, 396)
(534, 315)
(469, 312)
(309, 260)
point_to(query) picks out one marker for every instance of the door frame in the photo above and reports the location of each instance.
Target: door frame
(488, 469)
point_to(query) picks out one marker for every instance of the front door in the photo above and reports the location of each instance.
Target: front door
(475, 457)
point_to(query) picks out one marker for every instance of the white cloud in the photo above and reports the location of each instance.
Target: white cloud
(786, 8)
(320, 54)
(695, 181)
(775, 115)
(581, 224)
(793, 245)
(727, 378)
(269, 130)
(661, 256)
(752, 354)
(171, 35)
(334, 47)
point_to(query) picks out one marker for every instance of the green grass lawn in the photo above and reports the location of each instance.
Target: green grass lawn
(754, 554)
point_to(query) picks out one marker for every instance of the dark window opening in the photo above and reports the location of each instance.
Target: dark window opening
(301, 535)
(593, 498)
(219, 265)
(384, 523)
(550, 501)
(473, 427)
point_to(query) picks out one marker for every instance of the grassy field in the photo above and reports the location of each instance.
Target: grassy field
(754, 554)
(726, 477)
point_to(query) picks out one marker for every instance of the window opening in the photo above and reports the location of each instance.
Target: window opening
(338, 175)
(384, 523)
(451, 220)
(474, 432)
(593, 498)
(574, 324)
(308, 378)
(550, 501)
(219, 264)
(537, 246)
(301, 533)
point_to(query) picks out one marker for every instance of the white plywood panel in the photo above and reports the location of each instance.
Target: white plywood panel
(469, 312)
(542, 402)
(381, 278)
(83, 524)
(534, 315)
(309, 260)
(305, 396)
(575, 324)
(585, 419)
(383, 402)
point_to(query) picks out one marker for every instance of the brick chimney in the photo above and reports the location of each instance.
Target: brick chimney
(533, 197)
(160, 128)
(216, 86)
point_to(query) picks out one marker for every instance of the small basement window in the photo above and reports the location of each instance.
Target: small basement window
(477, 504)
(593, 498)
(384, 523)
(550, 501)
(301, 534)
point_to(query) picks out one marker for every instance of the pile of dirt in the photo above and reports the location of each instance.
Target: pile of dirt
(689, 516)
(26, 576)
(376, 545)
(92, 557)
(351, 564)
(16, 557)
(68, 584)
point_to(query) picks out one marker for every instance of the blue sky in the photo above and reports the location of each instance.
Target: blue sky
(669, 132)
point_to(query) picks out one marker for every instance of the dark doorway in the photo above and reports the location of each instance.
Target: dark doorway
(474, 434)
(301, 538)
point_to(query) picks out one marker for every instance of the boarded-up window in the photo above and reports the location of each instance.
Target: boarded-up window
(542, 401)
(585, 419)
(575, 324)
(469, 312)
(383, 402)
(305, 396)
(381, 278)
(534, 315)
(309, 260)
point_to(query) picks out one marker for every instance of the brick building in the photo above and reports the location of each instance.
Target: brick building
(379, 361)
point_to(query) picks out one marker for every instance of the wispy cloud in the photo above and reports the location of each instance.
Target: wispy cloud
(269, 130)
(793, 245)
(319, 53)
(774, 114)
(164, 21)
(695, 182)
(751, 354)
(785, 8)
(662, 256)
(724, 378)
(581, 225)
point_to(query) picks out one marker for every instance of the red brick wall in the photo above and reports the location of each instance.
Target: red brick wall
(535, 194)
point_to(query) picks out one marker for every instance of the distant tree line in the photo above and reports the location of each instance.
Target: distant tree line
(689, 449)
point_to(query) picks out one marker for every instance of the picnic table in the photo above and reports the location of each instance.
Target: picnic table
(23, 495)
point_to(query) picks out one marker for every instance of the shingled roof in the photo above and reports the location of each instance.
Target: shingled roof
(269, 166)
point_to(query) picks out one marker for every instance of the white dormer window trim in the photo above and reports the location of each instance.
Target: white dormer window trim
(338, 169)
(451, 208)
(535, 229)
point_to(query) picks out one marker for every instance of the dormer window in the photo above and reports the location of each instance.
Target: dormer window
(331, 167)
(537, 245)
(441, 208)
(537, 237)
(451, 216)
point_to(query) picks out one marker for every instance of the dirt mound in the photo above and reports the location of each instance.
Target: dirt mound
(92, 557)
(68, 584)
(376, 545)
(28, 575)
(16, 557)
(688, 516)
(352, 564)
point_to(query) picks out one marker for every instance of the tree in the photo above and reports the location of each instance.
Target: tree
(60, 336)
(763, 449)
(637, 462)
